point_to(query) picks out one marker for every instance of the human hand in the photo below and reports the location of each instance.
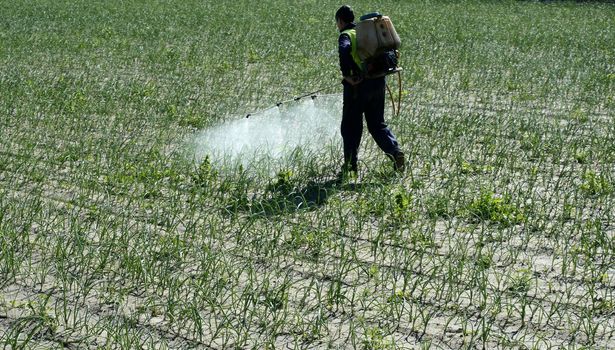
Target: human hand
(353, 80)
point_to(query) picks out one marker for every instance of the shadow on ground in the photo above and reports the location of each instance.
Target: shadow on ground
(312, 196)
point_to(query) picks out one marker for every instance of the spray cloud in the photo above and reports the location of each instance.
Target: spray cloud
(309, 124)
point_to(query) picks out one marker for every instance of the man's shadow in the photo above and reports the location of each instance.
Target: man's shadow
(309, 197)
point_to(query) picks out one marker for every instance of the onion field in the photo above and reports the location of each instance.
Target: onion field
(117, 231)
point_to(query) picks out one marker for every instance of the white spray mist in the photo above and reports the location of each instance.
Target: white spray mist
(309, 124)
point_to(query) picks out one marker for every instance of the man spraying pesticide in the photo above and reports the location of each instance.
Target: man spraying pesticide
(367, 55)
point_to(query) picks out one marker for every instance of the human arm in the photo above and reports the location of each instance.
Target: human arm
(347, 64)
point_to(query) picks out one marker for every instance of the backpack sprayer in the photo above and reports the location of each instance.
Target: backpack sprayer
(377, 47)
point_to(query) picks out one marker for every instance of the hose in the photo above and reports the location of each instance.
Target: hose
(396, 110)
(391, 98)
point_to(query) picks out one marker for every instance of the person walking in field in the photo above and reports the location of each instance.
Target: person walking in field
(361, 96)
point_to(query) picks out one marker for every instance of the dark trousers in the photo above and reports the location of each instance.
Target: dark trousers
(365, 98)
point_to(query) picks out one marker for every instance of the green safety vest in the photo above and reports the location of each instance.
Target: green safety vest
(352, 33)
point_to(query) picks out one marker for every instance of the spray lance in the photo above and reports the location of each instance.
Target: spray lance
(314, 94)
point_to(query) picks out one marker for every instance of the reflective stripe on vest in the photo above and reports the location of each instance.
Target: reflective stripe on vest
(352, 33)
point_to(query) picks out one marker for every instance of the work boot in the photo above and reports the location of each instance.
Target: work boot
(399, 161)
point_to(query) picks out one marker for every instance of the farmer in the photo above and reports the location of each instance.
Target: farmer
(361, 96)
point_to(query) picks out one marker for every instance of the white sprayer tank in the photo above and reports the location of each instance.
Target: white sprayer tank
(376, 34)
